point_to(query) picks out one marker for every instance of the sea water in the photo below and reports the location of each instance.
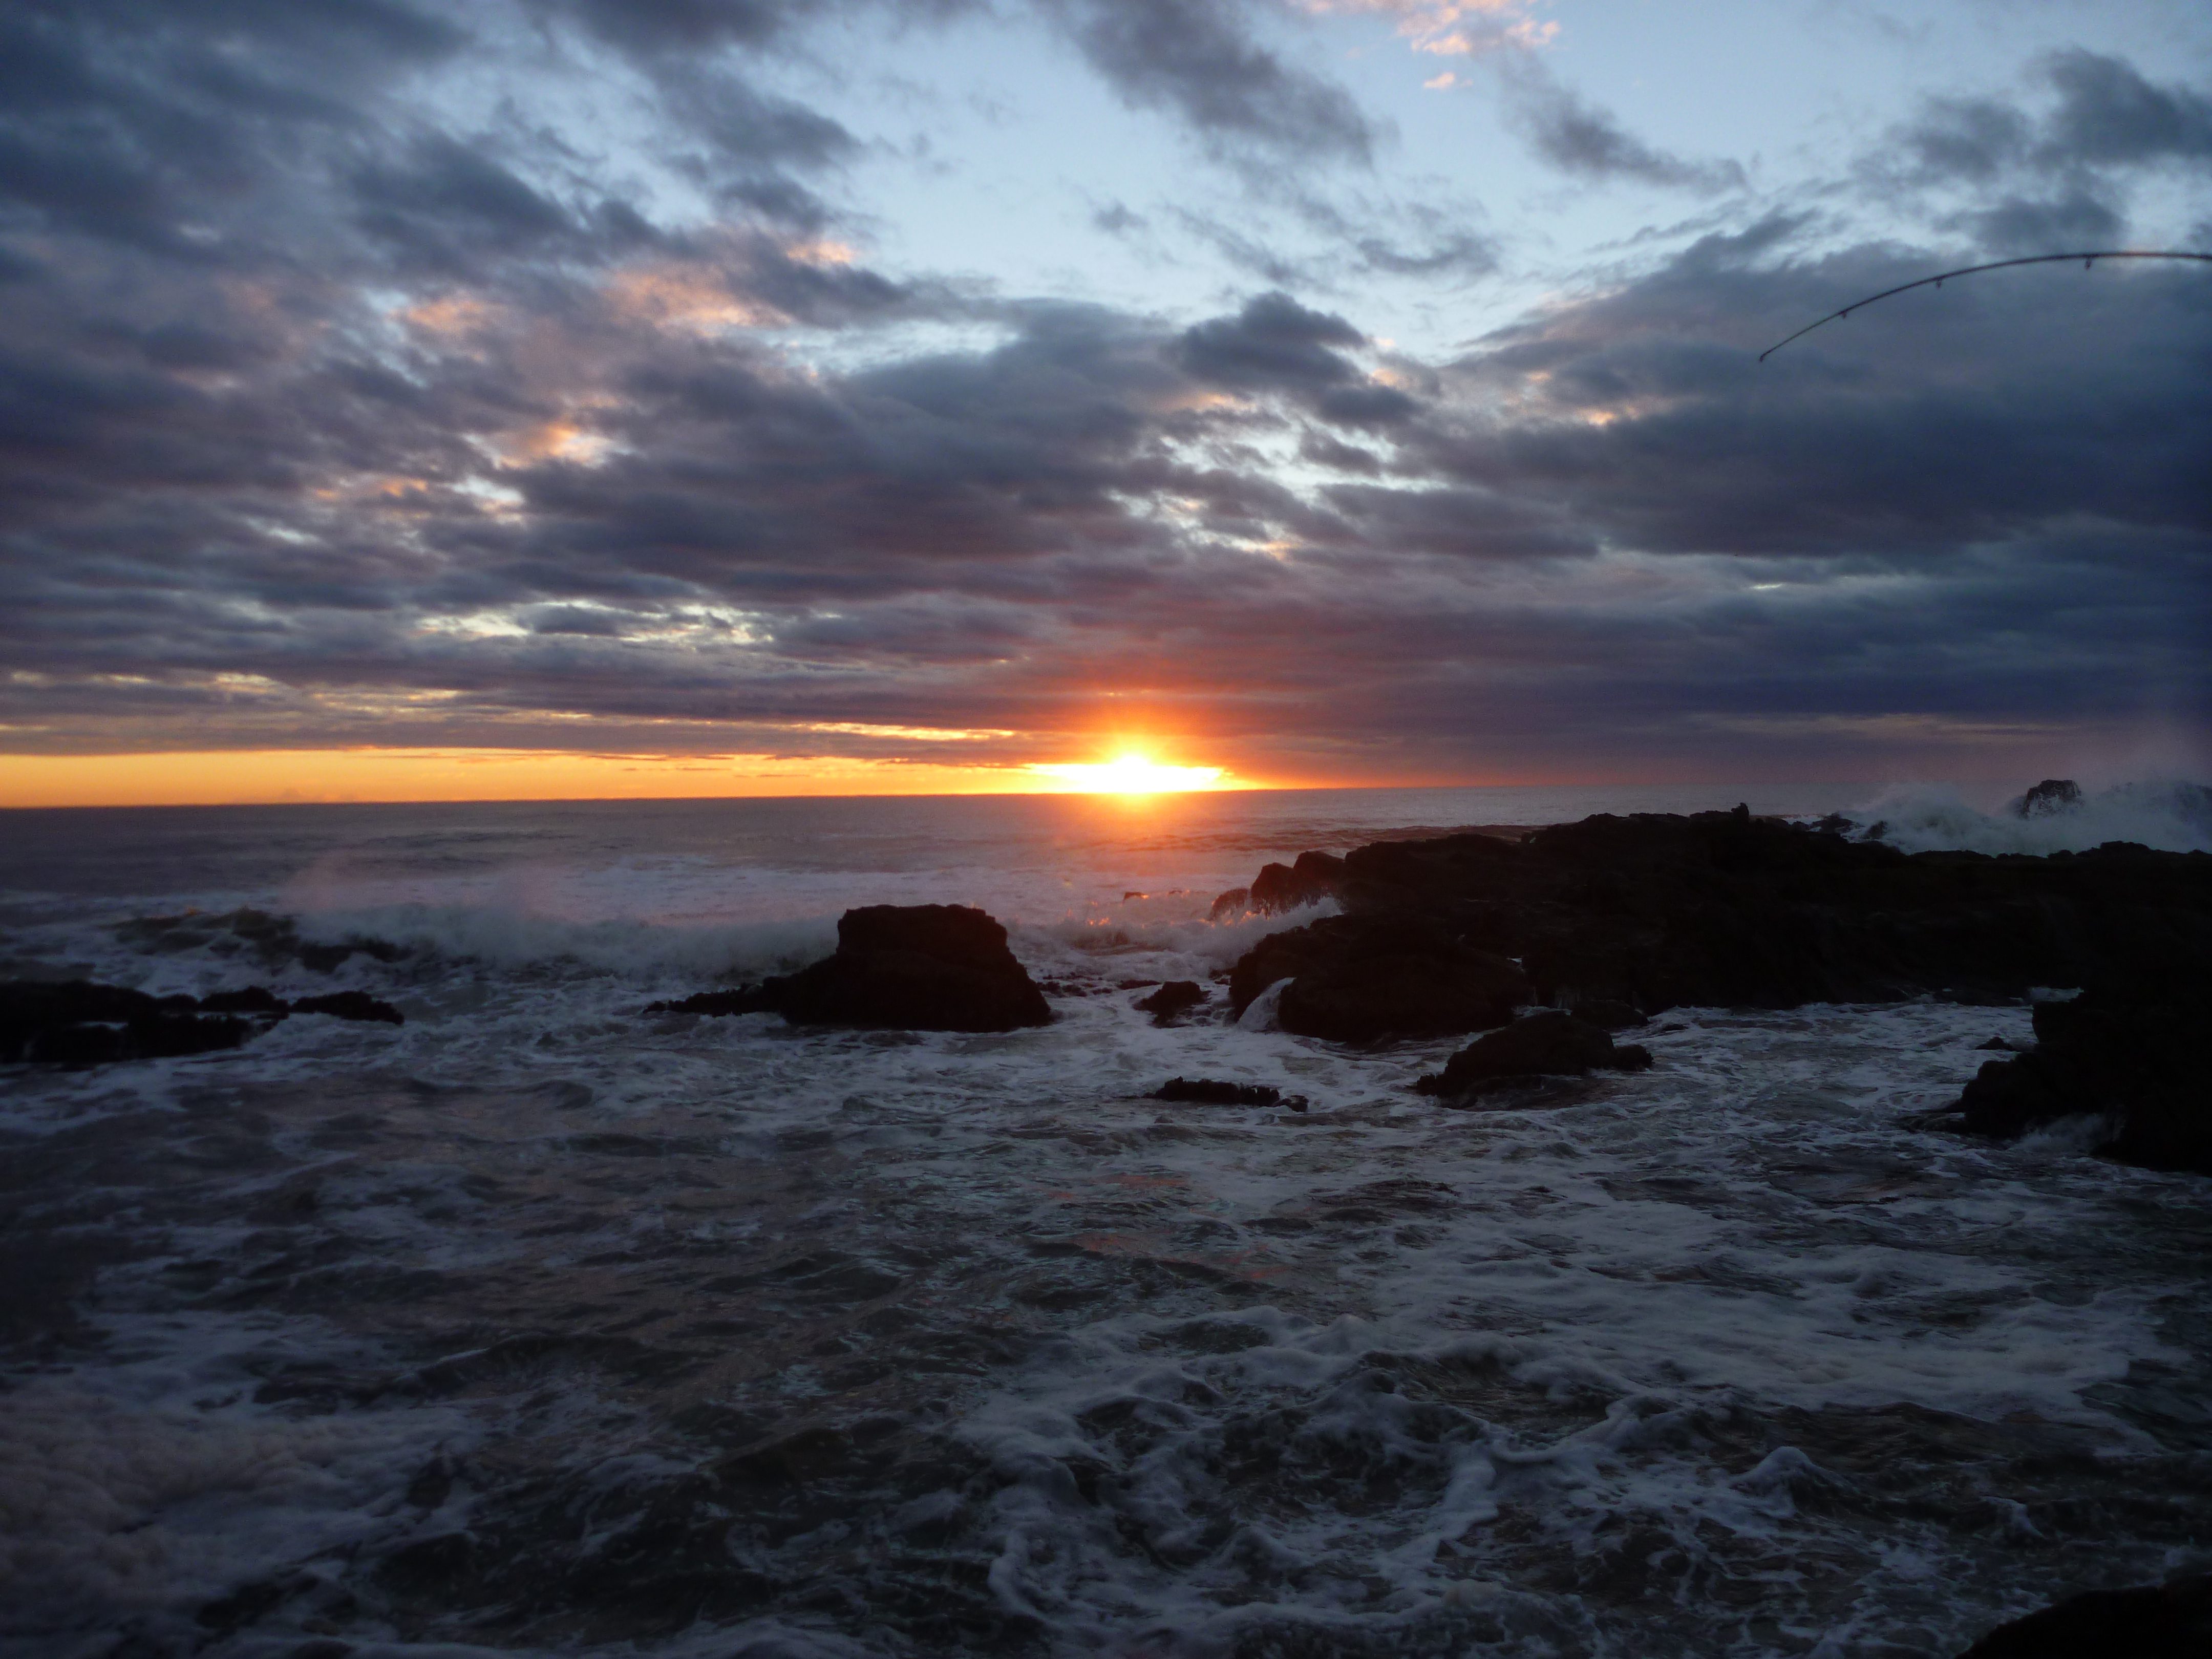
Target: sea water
(540, 1323)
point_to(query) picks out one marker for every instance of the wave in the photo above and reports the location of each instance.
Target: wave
(510, 938)
(2169, 816)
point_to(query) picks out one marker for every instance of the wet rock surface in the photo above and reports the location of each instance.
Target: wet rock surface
(1173, 1001)
(1722, 910)
(2133, 1053)
(1209, 1092)
(2159, 1621)
(1546, 1044)
(1362, 979)
(80, 1023)
(912, 968)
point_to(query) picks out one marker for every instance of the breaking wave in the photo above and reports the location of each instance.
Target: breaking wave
(2169, 816)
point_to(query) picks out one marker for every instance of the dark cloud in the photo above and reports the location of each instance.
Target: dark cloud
(2109, 113)
(2063, 169)
(1199, 59)
(1273, 344)
(1579, 138)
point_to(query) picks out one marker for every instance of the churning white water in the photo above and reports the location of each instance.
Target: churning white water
(541, 1324)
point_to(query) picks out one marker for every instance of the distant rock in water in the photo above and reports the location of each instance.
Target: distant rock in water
(1173, 1000)
(350, 1005)
(1206, 1091)
(2051, 796)
(1546, 1044)
(898, 967)
(80, 1023)
(2137, 1055)
(2168, 1621)
(1360, 979)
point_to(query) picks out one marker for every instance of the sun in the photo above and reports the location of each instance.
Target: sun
(1132, 773)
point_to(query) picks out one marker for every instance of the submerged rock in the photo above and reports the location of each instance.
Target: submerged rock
(1546, 1044)
(898, 967)
(350, 1005)
(2134, 1054)
(1206, 1091)
(1359, 979)
(2161, 1622)
(1173, 1000)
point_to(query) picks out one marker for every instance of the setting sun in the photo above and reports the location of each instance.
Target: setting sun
(1133, 774)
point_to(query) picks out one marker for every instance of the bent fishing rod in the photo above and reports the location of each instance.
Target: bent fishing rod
(2089, 260)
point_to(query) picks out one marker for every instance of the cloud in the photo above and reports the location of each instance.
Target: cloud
(1579, 138)
(328, 417)
(2108, 113)
(2102, 112)
(1200, 60)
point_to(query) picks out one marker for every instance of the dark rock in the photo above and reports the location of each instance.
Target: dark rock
(1998, 1044)
(1230, 905)
(1172, 1001)
(2168, 1621)
(1279, 889)
(350, 1005)
(1546, 1044)
(81, 1024)
(253, 1000)
(2133, 1053)
(1205, 1091)
(747, 999)
(2051, 796)
(1606, 1014)
(1359, 979)
(1727, 909)
(898, 967)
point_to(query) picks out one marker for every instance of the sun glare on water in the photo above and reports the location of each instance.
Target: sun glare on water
(1133, 774)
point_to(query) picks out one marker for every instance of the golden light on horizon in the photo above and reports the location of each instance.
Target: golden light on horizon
(1132, 773)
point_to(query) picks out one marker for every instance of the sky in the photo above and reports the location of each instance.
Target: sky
(602, 398)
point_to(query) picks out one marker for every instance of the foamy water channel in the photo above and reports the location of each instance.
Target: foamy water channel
(540, 1325)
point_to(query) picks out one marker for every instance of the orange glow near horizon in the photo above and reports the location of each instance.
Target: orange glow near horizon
(1132, 773)
(265, 776)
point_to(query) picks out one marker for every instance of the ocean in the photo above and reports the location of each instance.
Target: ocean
(542, 1324)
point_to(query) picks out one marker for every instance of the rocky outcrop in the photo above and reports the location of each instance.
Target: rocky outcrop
(910, 967)
(1173, 1000)
(2161, 1622)
(1360, 979)
(1279, 889)
(2133, 1053)
(80, 1023)
(1546, 1044)
(1723, 908)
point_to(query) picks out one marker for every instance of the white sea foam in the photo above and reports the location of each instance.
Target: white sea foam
(2169, 817)
(1221, 1376)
